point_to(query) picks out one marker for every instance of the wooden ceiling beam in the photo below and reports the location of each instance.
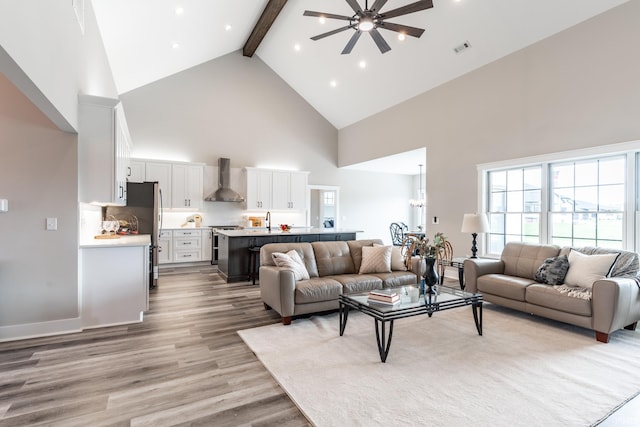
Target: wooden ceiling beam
(268, 17)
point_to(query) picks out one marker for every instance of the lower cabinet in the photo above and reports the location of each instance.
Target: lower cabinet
(184, 245)
(115, 285)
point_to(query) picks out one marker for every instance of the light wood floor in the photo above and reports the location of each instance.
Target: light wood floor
(184, 365)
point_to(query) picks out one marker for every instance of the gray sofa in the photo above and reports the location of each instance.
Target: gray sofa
(611, 304)
(333, 269)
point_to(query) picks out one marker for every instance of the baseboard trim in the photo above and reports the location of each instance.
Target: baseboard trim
(40, 329)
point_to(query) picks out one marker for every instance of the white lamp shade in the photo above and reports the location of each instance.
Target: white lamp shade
(475, 223)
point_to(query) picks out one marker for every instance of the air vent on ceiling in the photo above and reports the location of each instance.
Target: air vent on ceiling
(461, 48)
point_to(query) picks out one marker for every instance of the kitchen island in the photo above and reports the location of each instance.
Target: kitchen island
(234, 262)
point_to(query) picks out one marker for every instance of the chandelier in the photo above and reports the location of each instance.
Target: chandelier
(420, 201)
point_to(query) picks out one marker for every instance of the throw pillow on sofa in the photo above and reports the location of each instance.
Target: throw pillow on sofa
(376, 259)
(397, 260)
(292, 261)
(586, 269)
(553, 270)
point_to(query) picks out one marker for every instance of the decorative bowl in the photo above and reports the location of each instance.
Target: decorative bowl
(285, 227)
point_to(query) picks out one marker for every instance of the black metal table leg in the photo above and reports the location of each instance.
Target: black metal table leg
(384, 341)
(461, 277)
(477, 316)
(344, 315)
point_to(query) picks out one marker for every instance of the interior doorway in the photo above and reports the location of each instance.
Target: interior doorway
(323, 206)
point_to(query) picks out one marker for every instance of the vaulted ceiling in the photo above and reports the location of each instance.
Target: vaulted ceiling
(147, 40)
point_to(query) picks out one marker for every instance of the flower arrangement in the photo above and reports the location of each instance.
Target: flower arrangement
(423, 247)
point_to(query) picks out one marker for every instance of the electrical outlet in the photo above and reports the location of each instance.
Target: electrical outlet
(52, 224)
(435, 220)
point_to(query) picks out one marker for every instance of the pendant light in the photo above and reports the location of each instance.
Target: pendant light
(419, 202)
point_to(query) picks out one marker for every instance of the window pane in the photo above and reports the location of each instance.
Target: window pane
(514, 179)
(497, 223)
(562, 200)
(584, 242)
(586, 173)
(610, 226)
(561, 225)
(561, 241)
(514, 201)
(498, 202)
(533, 178)
(586, 199)
(611, 244)
(498, 181)
(584, 226)
(612, 171)
(562, 175)
(532, 201)
(496, 244)
(611, 198)
(531, 225)
(513, 224)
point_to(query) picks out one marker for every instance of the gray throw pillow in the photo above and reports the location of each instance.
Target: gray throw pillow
(553, 270)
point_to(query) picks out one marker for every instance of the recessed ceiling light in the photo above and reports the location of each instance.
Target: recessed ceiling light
(175, 45)
(401, 36)
(322, 20)
(227, 27)
(179, 10)
(362, 64)
(297, 47)
(333, 83)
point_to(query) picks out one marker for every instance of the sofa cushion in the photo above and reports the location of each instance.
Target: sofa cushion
(317, 289)
(333, 258)
(355, 247)
(305, 250)
(550, 297)
(397, 260)
(356, 283)
(627, 264)
(397, 278)
(506, 286)
(375, 259)
(523, 259)
(586, 269)
(293, 262)
(553, 270)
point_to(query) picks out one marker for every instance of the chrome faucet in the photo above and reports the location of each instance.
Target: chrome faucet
(268, 219)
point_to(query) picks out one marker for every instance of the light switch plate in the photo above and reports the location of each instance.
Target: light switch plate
(435, 220)
(52, 224)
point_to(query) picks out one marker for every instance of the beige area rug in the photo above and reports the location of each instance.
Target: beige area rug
(524, 370)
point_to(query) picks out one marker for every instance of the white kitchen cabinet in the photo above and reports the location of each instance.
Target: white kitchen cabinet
(165, 247)
(137, 171)
(187, 182)
(259, 183)
(115, 285)
(187, 245)
(289, 190)
(104, 147)
(275, 189)
(207, 237)
(160, 172)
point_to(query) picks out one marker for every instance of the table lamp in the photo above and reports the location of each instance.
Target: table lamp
(474, 224)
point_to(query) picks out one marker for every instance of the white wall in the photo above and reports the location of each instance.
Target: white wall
(576, 89)
(237, 107)
(38, 175)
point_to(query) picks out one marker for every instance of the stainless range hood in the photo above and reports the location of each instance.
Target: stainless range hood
(224, 193)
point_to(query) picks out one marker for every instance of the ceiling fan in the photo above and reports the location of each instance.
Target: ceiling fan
(370, 20)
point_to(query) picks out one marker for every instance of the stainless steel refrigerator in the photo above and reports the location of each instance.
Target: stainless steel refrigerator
(144, 214)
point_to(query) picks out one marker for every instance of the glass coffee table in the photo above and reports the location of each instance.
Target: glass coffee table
(411, 304)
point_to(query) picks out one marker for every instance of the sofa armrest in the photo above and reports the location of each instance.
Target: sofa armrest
(616, 303)
(476, 267)
(277, 289)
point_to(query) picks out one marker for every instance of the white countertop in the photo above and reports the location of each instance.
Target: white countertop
(139, 240)
(276, 231)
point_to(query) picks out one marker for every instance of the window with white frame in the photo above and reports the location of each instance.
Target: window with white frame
(584, 198)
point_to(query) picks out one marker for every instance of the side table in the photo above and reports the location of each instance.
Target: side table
(457, 262)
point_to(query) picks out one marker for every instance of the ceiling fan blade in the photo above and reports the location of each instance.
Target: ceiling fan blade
(326, 15)
(355, 6)
(410, 8)
(352, 42)
(404, 29)
(377, 5)
(380, 42)
(330, 33)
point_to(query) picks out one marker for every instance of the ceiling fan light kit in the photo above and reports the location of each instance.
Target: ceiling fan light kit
(369, 20)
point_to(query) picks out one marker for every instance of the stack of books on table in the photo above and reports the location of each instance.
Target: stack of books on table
(384, 296)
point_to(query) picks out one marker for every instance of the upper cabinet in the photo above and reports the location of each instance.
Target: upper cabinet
(104, 147)
(181, 184)
(276, 189)
(187, 186)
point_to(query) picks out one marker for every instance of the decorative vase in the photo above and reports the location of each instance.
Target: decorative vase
(431, 277)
